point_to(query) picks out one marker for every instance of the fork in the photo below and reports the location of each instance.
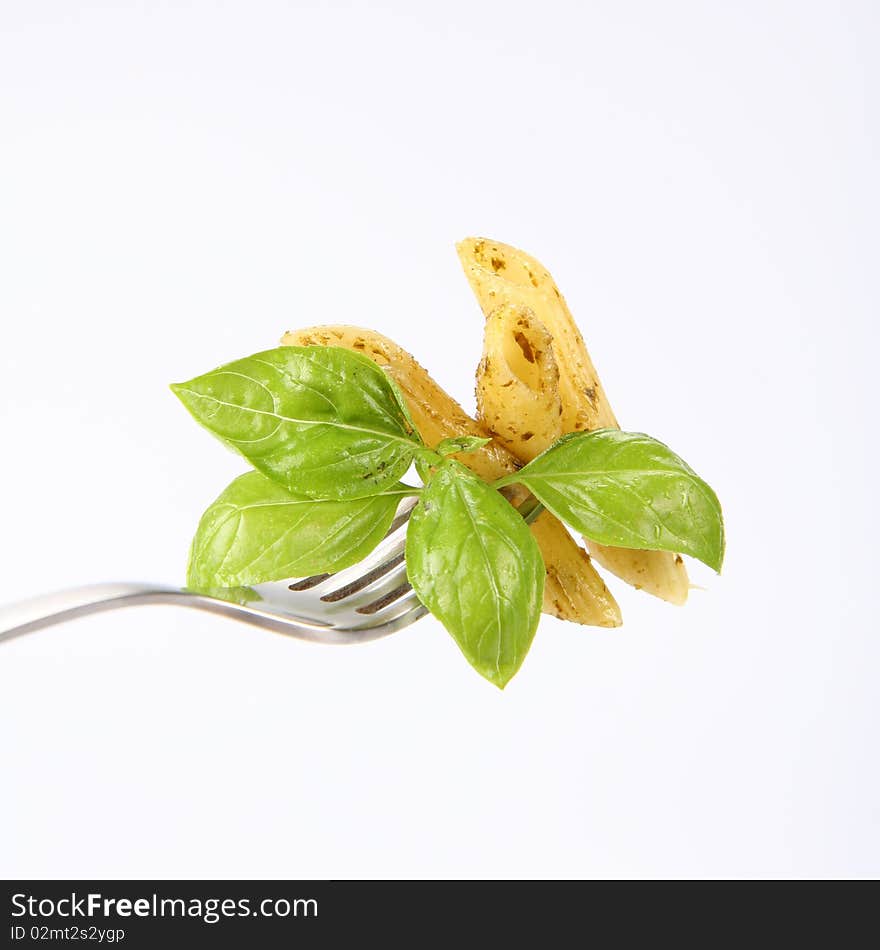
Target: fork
(361, 603)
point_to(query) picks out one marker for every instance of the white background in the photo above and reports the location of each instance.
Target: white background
(181, 182)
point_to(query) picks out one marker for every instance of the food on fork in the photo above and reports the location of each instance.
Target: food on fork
(336, 419)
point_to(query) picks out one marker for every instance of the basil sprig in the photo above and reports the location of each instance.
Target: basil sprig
(330, 436)
(627, 490)
(322, 421)
(476, 566)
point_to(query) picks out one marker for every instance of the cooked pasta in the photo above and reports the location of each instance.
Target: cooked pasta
(532, 347)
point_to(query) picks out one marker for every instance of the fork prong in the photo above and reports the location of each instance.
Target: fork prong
(404, 606)
(400, 518)
(364, 580)
(408, 605)
(307, 583)
(412, 610)
(384, 601)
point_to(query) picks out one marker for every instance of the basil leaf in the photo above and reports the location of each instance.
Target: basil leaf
(475, 565)
(627, 490)
(460, 443)
(320, 420)
(257, 531)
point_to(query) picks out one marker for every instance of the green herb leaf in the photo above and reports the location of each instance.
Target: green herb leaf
(257, 531)
(460, 443)
(475, 565)
(320, 420)
(627, 490)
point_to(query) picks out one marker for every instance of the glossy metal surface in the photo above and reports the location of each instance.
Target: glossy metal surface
(353, 606)
(361, 603)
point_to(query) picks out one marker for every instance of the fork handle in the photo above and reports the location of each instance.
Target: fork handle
(27, 616)
(47, 610)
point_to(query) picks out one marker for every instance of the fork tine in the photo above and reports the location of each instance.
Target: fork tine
(385, 600)
(307, 583)
(401, 517)
(412, 610)
(408, 606)
(364, 580)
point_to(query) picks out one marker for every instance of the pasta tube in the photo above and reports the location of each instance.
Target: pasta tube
(518, 382)
(502, 278)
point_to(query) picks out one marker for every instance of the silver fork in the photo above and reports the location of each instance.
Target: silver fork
(365, 602)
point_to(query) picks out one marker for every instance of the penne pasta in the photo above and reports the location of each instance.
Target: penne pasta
(510, 286)
(518, 395)
(573, 589)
